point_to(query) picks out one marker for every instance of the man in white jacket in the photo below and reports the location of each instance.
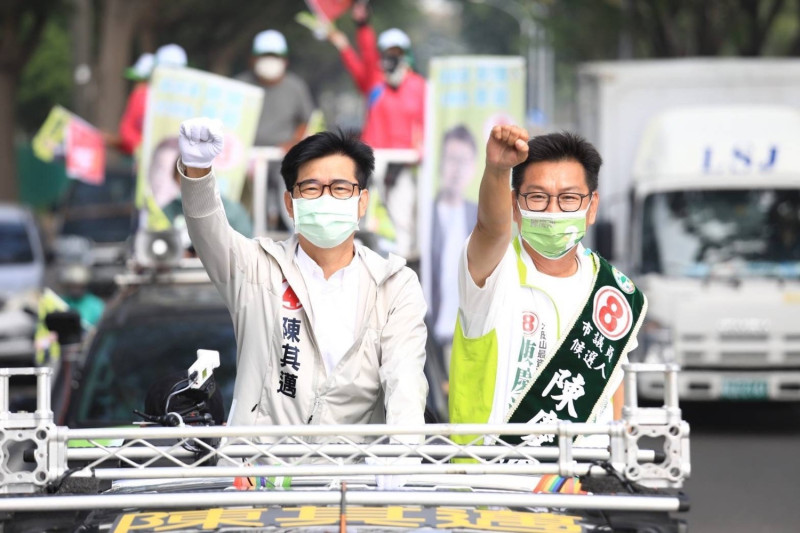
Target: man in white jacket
(328, 332)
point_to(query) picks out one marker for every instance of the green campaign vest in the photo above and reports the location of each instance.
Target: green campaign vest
(573, 380)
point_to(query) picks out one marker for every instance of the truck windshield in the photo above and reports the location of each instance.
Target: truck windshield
(737, 233)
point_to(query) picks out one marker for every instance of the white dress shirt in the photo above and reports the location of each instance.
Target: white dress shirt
(335, 304)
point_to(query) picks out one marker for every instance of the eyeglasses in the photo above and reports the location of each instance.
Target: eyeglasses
(339, 189)
(567, 201)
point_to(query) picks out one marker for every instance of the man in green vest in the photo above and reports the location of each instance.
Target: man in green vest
(544, 324)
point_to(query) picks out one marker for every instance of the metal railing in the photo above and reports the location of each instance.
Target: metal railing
(37, 455)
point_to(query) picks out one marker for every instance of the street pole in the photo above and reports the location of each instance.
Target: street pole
(538, 56)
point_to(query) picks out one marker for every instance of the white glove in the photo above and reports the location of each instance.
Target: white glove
(200, 141)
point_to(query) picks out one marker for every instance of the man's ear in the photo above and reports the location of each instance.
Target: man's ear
(363, 203)
(591, 214)
(287, 201)
(515, 207)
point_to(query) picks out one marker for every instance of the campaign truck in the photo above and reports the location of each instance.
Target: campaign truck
(701, 193)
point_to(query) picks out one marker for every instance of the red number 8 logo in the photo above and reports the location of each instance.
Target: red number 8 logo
(612, 314)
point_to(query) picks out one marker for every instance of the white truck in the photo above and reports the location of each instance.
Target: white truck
(700, 190)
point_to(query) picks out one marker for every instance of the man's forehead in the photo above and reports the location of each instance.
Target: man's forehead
(567, 173)
(334, 166)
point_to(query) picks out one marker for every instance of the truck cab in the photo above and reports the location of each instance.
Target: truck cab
(715, 243)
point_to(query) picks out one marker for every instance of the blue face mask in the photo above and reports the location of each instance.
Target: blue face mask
(326, 221)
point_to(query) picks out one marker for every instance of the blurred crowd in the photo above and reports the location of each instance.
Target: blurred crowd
(87, 240)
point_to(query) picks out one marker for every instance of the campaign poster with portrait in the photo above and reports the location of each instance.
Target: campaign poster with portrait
(467, 96)
(177, 94)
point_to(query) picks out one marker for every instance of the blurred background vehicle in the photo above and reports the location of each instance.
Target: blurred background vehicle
(151, 328)
(94, 224)
(705, 215)
(22, 269)
(22, 258)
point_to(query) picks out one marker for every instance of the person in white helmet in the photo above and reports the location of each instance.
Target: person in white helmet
(287, 99)
(132, 123)
(286, 108)
(382, 71)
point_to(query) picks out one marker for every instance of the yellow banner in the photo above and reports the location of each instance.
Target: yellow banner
(50, 138)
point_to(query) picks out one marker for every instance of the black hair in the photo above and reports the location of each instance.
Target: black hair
(460, 133)
(324, 144)
(564, 146)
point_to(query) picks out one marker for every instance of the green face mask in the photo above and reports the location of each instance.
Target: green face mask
(553, 234)
(326, 221)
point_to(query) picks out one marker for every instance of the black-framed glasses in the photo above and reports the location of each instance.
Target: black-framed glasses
(567, 201)
(339, 189)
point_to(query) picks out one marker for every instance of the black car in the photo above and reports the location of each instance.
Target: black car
(149, 330)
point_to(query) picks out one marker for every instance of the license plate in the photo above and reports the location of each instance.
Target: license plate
(744, 389)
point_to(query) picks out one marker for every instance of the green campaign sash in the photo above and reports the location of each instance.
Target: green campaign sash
(574, 377)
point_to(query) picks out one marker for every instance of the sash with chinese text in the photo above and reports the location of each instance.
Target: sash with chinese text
(572, 380)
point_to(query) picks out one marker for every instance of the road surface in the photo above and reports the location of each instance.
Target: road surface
(745, 467)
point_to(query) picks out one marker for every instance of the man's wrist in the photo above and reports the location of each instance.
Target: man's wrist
(192, 172)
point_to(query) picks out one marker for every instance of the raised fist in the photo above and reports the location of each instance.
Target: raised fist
(507, 147)
(200, 141)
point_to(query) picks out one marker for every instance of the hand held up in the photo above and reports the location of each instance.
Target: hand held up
(200, 141)
(507, 147)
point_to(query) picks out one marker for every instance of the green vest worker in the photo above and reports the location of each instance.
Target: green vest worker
(544, 324)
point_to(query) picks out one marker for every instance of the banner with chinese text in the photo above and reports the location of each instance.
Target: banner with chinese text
(467, 96)
(177, 94)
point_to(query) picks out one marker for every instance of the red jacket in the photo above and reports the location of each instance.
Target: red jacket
(132, 122)
(395, 116)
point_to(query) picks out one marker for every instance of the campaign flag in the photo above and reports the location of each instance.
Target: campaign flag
(49, 140)
(467, 96)
(177, 94)
(64, 134)
(85, 151)
(329, 10)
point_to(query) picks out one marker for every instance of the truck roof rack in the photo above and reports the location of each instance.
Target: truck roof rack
(306, 462)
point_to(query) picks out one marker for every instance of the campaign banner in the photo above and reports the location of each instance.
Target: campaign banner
(48, 143)
(467, 96)
(85, 152)
(177, 94)
(329, 10)
(65, 135)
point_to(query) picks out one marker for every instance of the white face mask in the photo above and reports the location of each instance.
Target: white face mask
(326, 221)
(395, 77)
(270, 68)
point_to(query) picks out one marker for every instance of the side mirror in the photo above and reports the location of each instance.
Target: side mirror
(604, 238)
(66, 324)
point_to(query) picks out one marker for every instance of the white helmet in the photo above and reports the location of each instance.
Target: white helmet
(171, 55)
(142, 69)
(270, 42)
(393, 37)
